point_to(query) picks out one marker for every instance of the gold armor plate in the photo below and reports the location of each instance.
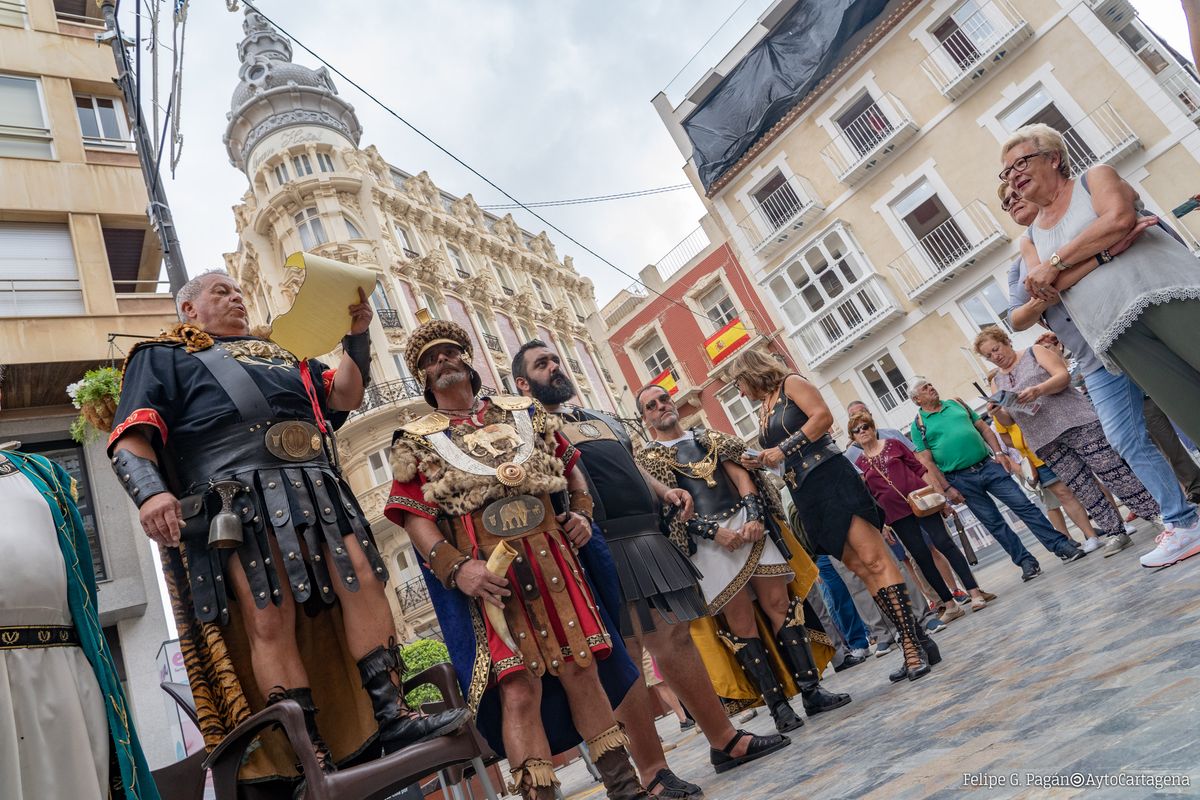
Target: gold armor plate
(430, 423)
(511, 402)
(587, 431)
(293, 440)
(513, 516)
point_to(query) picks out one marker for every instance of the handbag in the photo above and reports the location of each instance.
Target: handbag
(923, 502)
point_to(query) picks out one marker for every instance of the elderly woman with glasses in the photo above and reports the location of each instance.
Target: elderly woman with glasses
(1139, 312)
(1060, 425)
(838, 514)
(892, 472)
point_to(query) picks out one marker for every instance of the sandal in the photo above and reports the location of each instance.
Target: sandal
(674, 787)
(724, 759)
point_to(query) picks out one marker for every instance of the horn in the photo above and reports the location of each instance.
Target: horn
(225, 530)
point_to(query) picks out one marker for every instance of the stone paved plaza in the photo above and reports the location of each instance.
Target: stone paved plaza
(1091, 668)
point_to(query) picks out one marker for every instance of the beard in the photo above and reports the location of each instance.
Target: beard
(558, 389)
(448, 379)
(667, 421)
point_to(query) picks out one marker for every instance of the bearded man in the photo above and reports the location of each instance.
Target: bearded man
(659, 586)
(221, 441)
(476, 486)
(729, 542)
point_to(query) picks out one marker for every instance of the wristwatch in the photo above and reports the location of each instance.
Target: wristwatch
(1057, 262)
(1104, 257)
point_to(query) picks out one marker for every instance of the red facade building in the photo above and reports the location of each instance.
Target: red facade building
(684, 333)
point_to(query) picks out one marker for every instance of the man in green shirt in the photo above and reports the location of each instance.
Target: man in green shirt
(957, 447)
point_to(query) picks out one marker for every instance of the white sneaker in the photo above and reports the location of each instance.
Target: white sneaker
(1090, 544)
(1174, 545)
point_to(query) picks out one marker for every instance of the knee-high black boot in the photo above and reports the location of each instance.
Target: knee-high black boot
(752, 655)
(797, 651)
(303, 697)
(894, 602)
(400, 726)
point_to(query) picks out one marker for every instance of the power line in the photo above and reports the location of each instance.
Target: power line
(516, 203)
(600, 198)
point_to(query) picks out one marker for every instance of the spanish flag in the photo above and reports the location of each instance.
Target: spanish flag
(667, 381)
(721, 344)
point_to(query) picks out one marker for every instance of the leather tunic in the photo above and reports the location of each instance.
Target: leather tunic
(716, 500)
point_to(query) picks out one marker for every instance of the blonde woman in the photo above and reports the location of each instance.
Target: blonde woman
(838, 514)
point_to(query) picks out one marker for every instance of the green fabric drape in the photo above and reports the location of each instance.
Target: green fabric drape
(57, 487)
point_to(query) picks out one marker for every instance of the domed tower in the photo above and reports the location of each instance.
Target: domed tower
(276, 97)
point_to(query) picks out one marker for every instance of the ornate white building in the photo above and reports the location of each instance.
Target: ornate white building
(313, 188)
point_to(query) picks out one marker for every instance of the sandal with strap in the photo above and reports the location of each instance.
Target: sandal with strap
(760, 746)
(674, 787)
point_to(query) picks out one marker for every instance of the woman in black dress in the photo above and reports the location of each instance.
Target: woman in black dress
(838, 514)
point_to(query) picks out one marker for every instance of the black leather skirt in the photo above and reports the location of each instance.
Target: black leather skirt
(653, 573)
(832, 494)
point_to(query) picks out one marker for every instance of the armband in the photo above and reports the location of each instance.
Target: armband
(138, 476)
(581, 503)
(794, 444)
(702, 527)
(444, 562)
(754, 509)
(358, 347)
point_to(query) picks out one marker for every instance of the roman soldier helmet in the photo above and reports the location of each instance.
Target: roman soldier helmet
(431, 334)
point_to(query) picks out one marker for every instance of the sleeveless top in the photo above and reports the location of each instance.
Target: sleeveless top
(1156, 269)
(1056, 414)
(785, 419)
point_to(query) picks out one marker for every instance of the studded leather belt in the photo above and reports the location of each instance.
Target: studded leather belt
(15, 637)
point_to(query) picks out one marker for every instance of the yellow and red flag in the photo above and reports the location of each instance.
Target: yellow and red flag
(724, 342)
(667, 381)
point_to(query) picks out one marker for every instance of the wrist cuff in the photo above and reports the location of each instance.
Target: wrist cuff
(139, 476)
(358, 347)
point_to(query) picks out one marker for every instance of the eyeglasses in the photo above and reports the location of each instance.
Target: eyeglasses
(1009, 200)
(860, 429)
(1022, 164)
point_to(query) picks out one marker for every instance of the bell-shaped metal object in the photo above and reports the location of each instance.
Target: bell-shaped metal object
(225, 529)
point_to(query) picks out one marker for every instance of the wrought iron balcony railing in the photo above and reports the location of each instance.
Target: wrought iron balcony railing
(493, 342)
(978, 44)
(847, 320)
(957, 242)
(779, 216)
(412, 594)
(389, 318)
(869, 140)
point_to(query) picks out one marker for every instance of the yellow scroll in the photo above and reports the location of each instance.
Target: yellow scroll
(320, 315)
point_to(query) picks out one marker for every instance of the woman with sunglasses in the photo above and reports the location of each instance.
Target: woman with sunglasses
(891, 473)
(838, 515)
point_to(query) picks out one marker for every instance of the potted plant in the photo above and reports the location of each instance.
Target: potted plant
(96, 396)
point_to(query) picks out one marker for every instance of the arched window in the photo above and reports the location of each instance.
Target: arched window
(312, 232)
(351, 230)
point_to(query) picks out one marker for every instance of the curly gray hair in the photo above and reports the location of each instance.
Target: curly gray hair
(1044, 138)
(191, 290)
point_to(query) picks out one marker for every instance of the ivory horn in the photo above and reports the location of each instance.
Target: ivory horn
(497, 564)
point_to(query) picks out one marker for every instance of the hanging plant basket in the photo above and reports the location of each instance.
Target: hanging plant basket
(96, 396)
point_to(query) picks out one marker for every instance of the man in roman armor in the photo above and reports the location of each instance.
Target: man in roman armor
(659, 586)
(487, 490)
(738, 541)
(223, 441)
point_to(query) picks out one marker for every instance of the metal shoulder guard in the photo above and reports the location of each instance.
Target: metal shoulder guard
(139, 476)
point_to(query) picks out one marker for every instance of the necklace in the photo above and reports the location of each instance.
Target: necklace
(461, 412)
(700, 470)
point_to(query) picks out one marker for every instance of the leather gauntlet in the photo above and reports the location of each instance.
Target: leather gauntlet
(754, 508)
(444, 562)
(358, 347)
(139, 476)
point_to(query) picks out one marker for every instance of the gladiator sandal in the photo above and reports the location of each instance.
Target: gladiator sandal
(752, 655)
(399, 725)
(797, 651)
(893, 600)
(303, 698)
(608, 752)
(534, 780)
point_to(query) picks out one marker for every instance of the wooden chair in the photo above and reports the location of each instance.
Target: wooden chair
(374, 780)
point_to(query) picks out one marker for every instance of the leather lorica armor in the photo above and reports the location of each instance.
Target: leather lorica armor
(709, 500)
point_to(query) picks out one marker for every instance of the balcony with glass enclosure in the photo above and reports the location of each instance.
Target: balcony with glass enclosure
(850, 319)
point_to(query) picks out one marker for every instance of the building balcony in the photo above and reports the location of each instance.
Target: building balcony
(1102, 137)
(388, 394)
(493, 343)
(1113, 13)
(960, 241)
(979, 44)
(1185, 92)
(780, 216)
(869, 140)
(389, 318)
(413, 596)
(574, 366)
(847, 321)
(607, 375)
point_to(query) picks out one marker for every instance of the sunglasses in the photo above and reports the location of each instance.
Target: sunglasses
(861, 428)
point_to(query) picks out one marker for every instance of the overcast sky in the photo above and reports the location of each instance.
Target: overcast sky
(549, 98)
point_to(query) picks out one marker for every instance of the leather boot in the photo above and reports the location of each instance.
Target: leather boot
(303, 697)
(894, 600)
(609, 754)
(901, 673)
(534, 779)
(797, 651)
(400, 726)
(752, 655)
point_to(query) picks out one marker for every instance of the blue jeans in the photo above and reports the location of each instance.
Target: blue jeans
(841, 606)
(1118, 402)
(979, 484)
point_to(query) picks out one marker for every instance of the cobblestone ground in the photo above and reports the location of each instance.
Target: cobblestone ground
(1092, 668)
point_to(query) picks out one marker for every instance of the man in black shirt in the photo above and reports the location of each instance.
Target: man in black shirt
(660, 594)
